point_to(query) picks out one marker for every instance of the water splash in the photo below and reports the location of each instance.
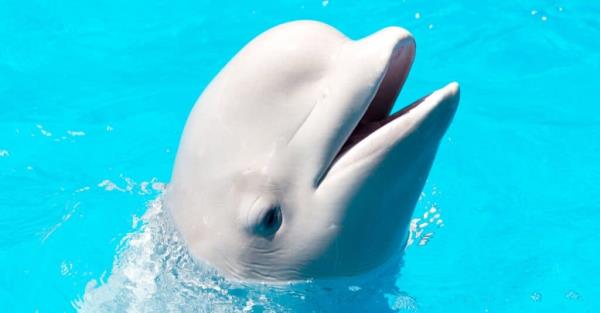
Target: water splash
(153, 272)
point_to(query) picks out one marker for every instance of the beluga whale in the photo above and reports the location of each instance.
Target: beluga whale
(291, 165)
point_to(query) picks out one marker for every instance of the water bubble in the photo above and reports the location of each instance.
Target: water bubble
(65, 268)
(425, 239)
(354, 288)
(402, 302)
(572, 295)
(158, 186)
(109, 185)
(83, 189)
(43, 131)
(75, 133)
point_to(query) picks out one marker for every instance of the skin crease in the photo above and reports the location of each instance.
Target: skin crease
(290, 166)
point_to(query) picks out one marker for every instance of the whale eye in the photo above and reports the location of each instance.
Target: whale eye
(270, 221)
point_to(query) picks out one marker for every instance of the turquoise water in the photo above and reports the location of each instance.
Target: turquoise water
(94, 95)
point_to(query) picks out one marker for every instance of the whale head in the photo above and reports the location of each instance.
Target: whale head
(291, 166)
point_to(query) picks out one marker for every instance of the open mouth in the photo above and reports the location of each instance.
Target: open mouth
(378, 111)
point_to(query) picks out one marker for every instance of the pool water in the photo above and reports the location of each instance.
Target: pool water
(94, 95)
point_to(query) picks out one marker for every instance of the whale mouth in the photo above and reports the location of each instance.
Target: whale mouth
(378, 112)
(377, 125)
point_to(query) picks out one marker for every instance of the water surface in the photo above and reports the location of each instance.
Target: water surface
(94, 95)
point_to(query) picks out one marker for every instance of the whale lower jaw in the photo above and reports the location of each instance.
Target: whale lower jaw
(381, 135)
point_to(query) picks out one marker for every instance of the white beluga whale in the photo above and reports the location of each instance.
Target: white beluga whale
(291, 167)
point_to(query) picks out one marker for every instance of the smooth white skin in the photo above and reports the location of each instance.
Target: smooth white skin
(265, 132)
